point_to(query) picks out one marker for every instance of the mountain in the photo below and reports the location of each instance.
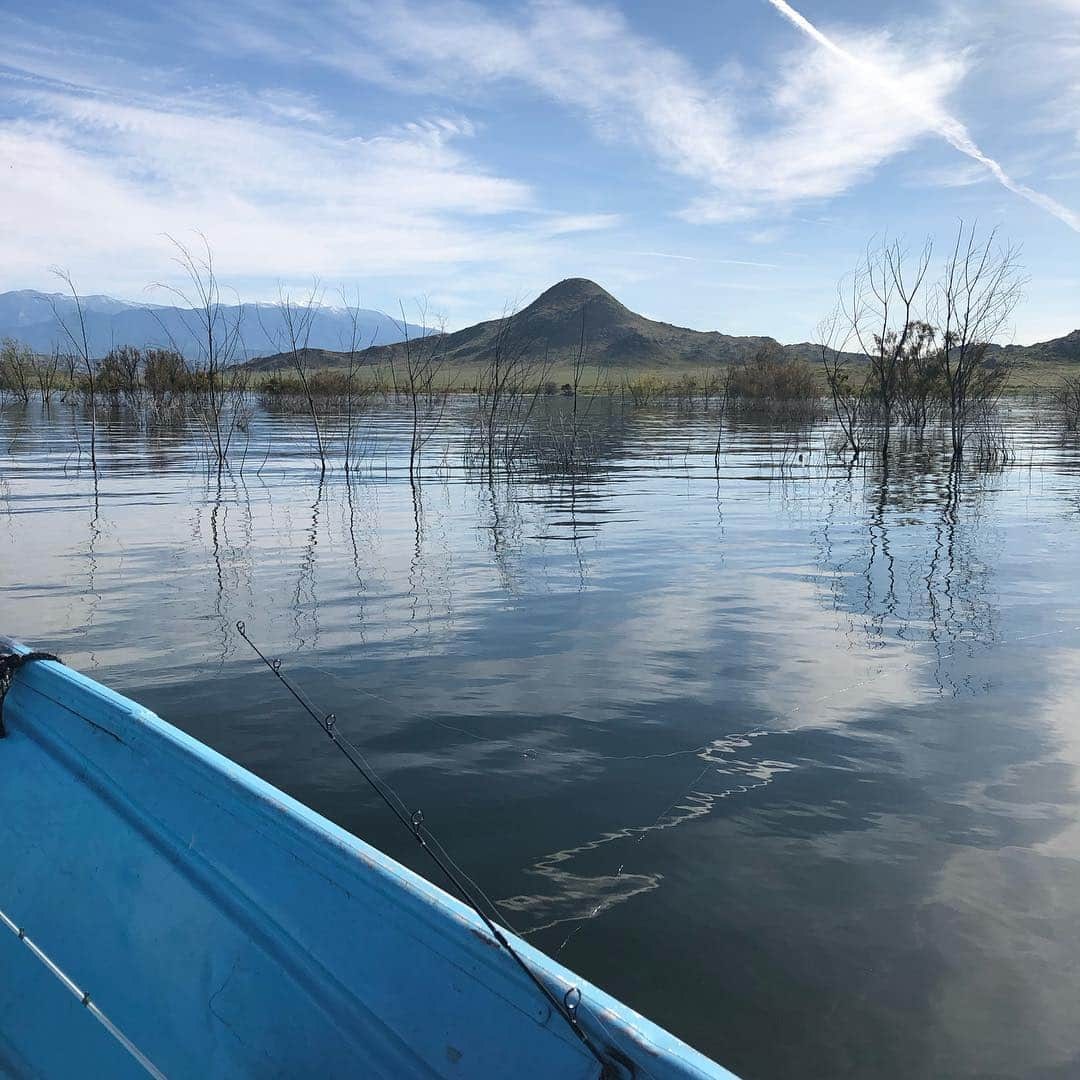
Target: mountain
(28, 307)
(27, 316)
(1062, 350)
(552, 325)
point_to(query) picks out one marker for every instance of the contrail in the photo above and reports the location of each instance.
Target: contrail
(945, 125)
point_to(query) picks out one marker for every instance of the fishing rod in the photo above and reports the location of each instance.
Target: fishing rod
(83, 997)
(413, 821)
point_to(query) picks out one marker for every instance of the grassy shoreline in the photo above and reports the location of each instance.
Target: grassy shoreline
(648, 382)
(641, 384)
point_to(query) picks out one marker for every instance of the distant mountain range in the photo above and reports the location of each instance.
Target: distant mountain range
(27, 316)
(551, 325)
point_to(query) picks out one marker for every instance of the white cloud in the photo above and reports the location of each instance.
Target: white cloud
(881, 84)
(769, 235)
(101, 179)
(834, 114)
(813, 135)
(829, 132)
(563, 224)
(956, 175)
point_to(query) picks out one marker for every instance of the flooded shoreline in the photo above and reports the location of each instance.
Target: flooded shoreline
(793, 732)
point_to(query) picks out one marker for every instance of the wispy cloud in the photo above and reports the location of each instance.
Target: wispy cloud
(905, 93)
(958, 174)
(812, 135)
(664, 255)
(565, 224)
(754, 264)
(101, 178)
(266, 172)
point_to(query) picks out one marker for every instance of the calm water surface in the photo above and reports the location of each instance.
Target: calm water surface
(786, 759)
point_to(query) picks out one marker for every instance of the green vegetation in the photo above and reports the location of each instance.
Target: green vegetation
(771, 382)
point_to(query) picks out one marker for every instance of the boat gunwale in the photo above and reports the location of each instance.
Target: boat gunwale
(312, 838)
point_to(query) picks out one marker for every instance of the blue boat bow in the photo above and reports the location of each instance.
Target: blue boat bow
(227, 930)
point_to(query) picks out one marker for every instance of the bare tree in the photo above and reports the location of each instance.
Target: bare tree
(424, 359)
(524, 391)
(221, 384)
(70, 361)
(578, 369)
(1067, 398)
(492, 385)
(293, 339)
(724, 395)
(879, 305)
(46, 372)
(846, 386)
(979, 289)
(507, 389)
(75, 331)
(16, 368)
(352, 374)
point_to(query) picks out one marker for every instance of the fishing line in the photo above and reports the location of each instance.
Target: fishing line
(526, 751)
(413, 821)
(309, 706)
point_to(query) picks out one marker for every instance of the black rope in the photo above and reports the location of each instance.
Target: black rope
(9, 664)
(414, 822)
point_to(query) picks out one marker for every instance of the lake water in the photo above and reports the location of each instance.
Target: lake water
(784, 757)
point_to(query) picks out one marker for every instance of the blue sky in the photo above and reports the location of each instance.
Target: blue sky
(715, 164)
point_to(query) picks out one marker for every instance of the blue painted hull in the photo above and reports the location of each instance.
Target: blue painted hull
(229, 931)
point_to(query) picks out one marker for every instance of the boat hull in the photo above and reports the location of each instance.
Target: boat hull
(228, 930)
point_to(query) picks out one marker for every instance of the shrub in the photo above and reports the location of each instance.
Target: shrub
(326, 382)
(644, 388)
(166, 372)
(118, 371)
(771, 377)
(1067, 396)
(16, 368)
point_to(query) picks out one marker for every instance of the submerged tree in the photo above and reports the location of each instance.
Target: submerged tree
(979, 289)
(847, 386)
(913, 345)
(214, 327)
(582, 392)
(507, 388)
(166, 373)
(74, 329)
(881, 310)
(292, 339)
(424, 357)
(120, 372)
(47, 374)
(353, 388)
(919, 384)
(773, 384)
(17, 369)
(875, 318)
(723, 386)
(1067, 397)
